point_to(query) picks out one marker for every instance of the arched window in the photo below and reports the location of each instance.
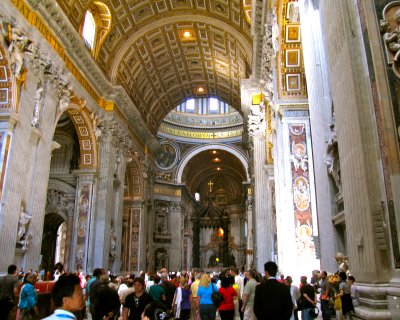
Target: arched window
(89, 30)
(96, 25)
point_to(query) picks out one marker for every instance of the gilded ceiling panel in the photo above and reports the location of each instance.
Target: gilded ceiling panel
(147, 53)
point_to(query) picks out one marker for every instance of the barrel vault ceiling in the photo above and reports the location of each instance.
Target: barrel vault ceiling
(222, 168)
(147, 54)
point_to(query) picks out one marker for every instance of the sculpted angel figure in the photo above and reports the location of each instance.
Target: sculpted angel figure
(18, 43)
(392, 39)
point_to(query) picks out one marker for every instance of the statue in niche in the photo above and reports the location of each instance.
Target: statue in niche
(37, 106)
(24, 219)
(332, 158)
(343, 262)
(161, 257)
(392, 38)
(117, 163)
(113, 243)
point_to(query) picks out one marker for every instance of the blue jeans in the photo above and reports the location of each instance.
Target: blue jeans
(207, 311)
(305, 314)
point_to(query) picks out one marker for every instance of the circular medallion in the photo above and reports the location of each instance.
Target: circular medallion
(167, 157)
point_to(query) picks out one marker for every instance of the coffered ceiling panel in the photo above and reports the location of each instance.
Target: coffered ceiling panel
(148, 54)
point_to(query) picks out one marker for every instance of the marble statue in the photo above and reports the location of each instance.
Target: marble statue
(113, 243)
(96, 122)
(161, 258)
(117, 163)
(392, 39)
(37, 106)
(332, 158)
(18, 43)
(343, 262)
(24, 219)
(255, 118)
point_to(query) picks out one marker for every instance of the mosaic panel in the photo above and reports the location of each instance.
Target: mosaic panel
(301, 191)
(83, 225)
(135, 231)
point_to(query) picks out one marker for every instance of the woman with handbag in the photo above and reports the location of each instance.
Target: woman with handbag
(204, 302)
(227, 306)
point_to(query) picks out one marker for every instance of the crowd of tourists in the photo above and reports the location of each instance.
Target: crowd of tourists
(182, 295)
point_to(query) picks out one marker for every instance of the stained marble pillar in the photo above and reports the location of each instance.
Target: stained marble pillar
(297, 224)
(82, 253)
(175, 249)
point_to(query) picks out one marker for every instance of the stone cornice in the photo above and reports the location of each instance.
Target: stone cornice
(75, 56)
(281, 108)
(260, 12)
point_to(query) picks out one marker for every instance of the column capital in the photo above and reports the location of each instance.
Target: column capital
(85, 174)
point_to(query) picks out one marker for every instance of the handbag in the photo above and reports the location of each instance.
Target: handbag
(216, 297)
(313, 313)
(338, 304)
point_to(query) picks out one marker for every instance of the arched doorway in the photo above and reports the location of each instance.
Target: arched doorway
(217, 175)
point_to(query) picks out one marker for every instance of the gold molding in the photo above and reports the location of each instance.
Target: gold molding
(37, 22)
(42, 27)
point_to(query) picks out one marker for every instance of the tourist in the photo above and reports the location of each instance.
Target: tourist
(309, 296)
(156, 291)
(325, 296)
(248, 295)
(181, 304)
(136, 301)
(353, 290)
(295, 294)
(204, 303)
(345, 295)
(8, 290)
(104, 299)
(67, 297)
(28, 298)
(272, 299)
(227, 307)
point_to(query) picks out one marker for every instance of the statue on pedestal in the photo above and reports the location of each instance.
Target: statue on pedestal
(23, 236)
(343, 262)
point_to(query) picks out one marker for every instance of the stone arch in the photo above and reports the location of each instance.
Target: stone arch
(235, 151)
(59, 209)
(80, 116)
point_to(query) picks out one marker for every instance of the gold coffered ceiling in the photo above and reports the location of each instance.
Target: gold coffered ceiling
(146, 53)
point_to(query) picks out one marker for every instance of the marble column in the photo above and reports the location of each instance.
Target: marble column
(175, 249)
(84, 221)
(262, 240)
(69, 232)
(297, 224)
(249, 231)
(8, 216)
